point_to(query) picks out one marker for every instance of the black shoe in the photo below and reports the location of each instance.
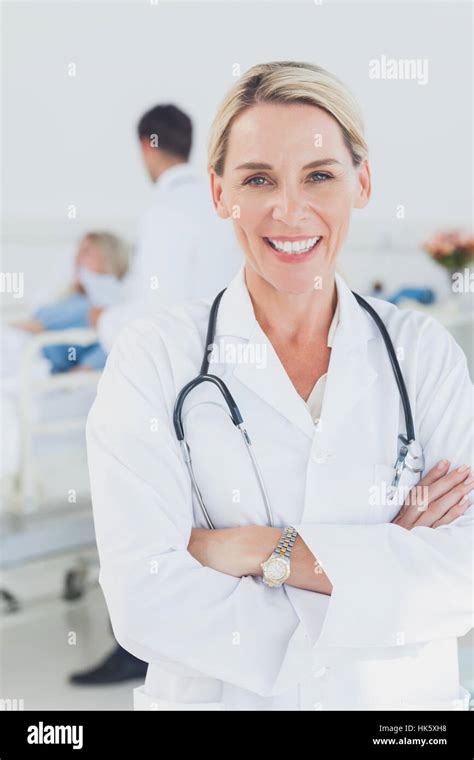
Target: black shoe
(117, 667)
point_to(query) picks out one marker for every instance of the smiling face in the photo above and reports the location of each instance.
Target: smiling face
(289, 186)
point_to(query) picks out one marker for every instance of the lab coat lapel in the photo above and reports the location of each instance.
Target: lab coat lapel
(272, 383)
(349, 374)
(267, 377)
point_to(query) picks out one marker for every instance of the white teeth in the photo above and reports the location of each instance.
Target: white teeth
(298, 246)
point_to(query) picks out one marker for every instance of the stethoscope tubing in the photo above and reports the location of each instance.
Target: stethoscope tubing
(234, 411)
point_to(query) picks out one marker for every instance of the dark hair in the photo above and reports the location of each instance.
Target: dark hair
(172, 127)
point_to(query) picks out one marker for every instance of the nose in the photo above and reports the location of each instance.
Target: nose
(290, 207)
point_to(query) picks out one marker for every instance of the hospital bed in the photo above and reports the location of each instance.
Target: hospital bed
(30, 487)
(37, 521)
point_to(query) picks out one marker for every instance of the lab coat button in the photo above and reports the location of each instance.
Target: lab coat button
(320, 457)
(321, 672)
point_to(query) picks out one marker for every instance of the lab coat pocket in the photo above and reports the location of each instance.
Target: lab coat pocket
(385, 501)
(143, 701)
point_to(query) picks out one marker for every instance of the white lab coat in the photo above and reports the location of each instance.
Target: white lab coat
(184, 251)
(386, 637)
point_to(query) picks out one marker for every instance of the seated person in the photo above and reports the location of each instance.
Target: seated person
(101, 262)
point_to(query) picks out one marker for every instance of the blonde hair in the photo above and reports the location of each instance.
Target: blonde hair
(288, 82)
(115, 252)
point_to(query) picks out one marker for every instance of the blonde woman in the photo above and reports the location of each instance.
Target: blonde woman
(330, 569)
(101, 262)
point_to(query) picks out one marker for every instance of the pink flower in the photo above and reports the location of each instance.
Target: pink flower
(444, 244)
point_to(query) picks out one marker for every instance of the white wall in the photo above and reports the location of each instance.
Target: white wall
(72, 140)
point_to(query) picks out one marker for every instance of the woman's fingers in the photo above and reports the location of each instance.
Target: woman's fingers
(445, 484)
(436, 472)
(417, 499)
(436, 493)
(453, 513)
(439, 508)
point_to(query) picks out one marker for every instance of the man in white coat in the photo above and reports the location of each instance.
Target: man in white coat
(184, 250)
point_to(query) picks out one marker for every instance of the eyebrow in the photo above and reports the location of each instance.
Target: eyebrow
(257, 165)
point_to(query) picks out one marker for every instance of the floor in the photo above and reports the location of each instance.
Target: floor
(49, 638)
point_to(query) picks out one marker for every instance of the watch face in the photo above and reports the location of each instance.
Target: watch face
(276, 569)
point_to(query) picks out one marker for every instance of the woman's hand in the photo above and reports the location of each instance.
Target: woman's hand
(234, 551)
(28, 325)
(438, 499)
(94, 314)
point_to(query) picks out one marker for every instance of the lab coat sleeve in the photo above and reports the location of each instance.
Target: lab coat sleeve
(113, 319)
(393, 586)
(163, 604)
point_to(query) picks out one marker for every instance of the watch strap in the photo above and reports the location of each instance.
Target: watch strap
(285, 544)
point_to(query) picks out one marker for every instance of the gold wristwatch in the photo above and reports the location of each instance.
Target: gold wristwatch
(277, 568)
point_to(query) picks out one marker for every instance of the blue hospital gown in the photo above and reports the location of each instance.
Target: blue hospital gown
(70, 312)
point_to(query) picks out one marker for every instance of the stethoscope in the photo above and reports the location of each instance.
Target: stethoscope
(410, 454)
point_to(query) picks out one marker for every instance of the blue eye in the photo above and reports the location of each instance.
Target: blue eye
(321, 174)
(260, 181)
(252, 182)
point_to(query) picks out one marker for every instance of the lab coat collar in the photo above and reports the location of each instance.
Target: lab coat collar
(236, 316)
(174, 174)
(350, 373)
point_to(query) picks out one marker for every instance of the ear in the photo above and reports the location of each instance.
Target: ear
(217, 194)
(363, 185)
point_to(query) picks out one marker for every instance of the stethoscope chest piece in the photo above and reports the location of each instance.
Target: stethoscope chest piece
(409, 456)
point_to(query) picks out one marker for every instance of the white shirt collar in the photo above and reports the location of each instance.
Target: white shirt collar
(175, 174)
(236, 315)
